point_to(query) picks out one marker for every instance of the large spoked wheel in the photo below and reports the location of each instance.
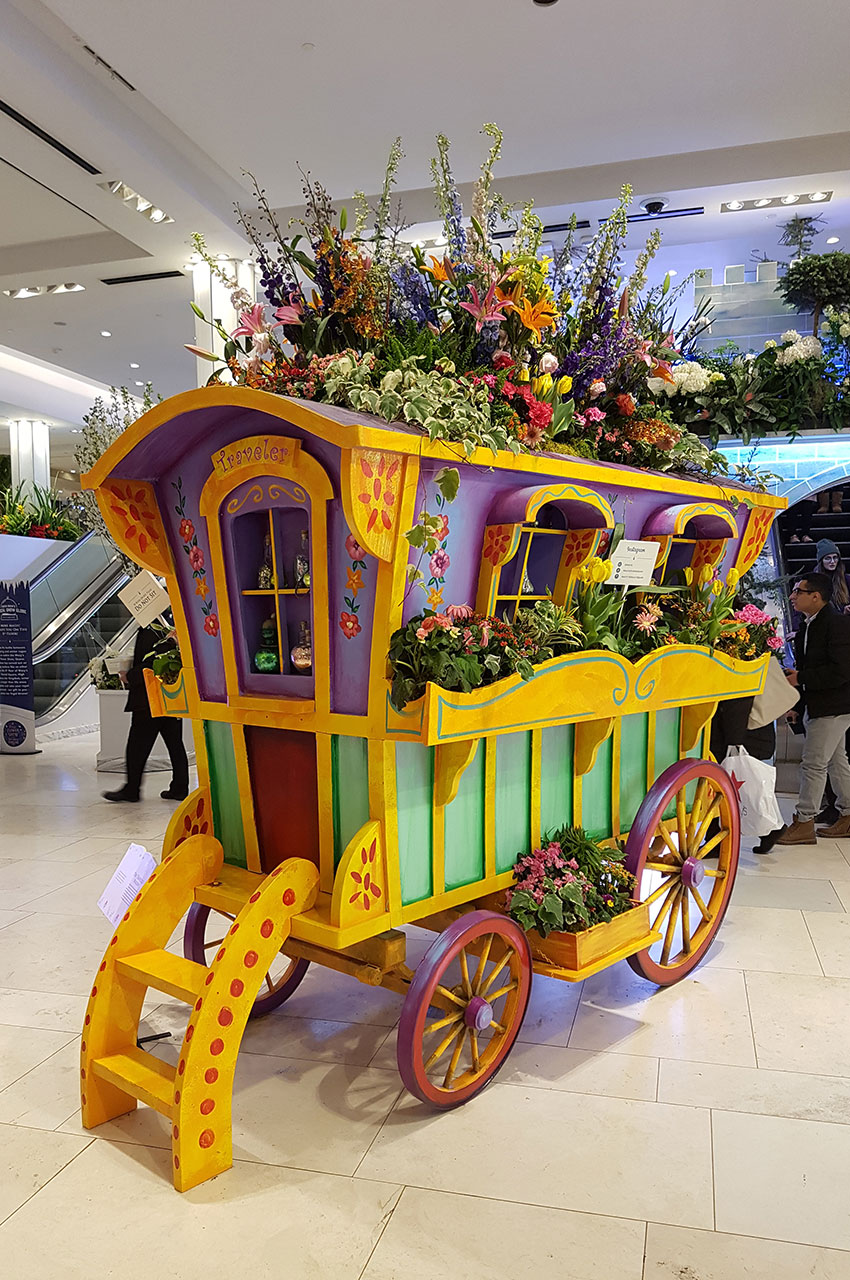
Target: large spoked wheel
(684, 865)
(464, 1008)
(204, 933)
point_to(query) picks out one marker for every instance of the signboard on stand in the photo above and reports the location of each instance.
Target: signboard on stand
(633, 563)
(17, 716)
(145, 598)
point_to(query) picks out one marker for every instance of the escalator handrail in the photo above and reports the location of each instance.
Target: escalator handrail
(77, 687)
(60, 559)
(54, 635)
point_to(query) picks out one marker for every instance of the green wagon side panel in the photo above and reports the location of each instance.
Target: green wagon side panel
(596, 794)
(224, 789)
(666, 745)
(349, 762)
(634, 732)
(513, 798)
(414, 792)
(556, 777)
(464, 817)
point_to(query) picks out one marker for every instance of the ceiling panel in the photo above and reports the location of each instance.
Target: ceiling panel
(28, 211)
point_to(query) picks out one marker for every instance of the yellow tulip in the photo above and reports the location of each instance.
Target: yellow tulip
(689, 576)
(601, 570)
(564, 384)
(716, 588)
(733, 577)
(705, 575)
(522, 375)
(543, 385)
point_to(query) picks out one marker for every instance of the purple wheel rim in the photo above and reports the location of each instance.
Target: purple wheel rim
(194, 936)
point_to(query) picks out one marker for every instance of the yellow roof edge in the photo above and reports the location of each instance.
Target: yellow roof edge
(370, 433)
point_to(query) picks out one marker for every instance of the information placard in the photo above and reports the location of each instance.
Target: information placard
(129, 876)
(145, 598)
(633, 563)
(17, 717)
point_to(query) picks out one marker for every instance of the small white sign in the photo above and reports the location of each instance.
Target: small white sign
(633, 563)
(129, 876)
(144, 597)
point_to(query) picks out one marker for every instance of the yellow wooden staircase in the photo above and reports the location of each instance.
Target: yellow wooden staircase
(196, 1096)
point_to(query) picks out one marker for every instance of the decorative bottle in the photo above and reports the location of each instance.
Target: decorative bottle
(302, 564)
(302, 654)
(267, 659)
(265, 577)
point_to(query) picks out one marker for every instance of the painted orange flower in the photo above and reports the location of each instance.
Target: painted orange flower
(435, 597)
(498, 539)
(201, 589)
(537, 317)
(379, 490)
(354, 581)
(366, 887)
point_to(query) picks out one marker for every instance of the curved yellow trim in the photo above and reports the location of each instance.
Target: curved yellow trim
(691, 509)
(568, 493)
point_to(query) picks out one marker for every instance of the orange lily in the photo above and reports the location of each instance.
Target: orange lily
(661, 369)
(441, 270)
(534, 318)
(511, 293)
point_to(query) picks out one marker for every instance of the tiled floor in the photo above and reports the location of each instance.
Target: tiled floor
(701, 1132)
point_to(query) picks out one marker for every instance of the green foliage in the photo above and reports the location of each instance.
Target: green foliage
(35, 512)
(815, 282)
(570, 884)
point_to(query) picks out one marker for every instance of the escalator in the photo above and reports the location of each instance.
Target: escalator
(76, 615)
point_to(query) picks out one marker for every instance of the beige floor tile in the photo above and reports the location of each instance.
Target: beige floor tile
(41, 1009)
(43, 1097)
(701, 1019)
(551, 1011)
(10, 917)
(794, 893)
(23, 881)
(831, 937)
(766, 939)
(76, 899)
(800, 1023)
(809, 861)
(433, 1235)
(22, 1048)
(677, 1253)
(761, 1092)
(116, 1213)
(549, 1147)
(782, 1179)
(611, 1075)
(31, 1158)
(106, 848)
(340, 998)
(842, 888)
(53, 953)
(23, 846)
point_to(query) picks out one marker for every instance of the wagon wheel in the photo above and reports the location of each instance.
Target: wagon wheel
(204, 933)
(464, 1008)
(688, 895)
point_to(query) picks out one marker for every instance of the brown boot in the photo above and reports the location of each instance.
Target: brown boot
(839, 828)
(799, 832)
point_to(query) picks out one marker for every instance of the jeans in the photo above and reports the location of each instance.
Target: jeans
(824, 753)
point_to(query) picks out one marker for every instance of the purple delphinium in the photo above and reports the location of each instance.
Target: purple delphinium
(410, 298)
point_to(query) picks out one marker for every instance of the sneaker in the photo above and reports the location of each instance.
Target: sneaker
(121, 795)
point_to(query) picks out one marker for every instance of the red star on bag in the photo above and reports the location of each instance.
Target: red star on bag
(736, 783)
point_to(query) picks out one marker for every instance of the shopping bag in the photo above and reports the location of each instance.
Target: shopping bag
(755, 782)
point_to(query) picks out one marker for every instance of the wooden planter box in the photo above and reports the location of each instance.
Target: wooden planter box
(580, 950)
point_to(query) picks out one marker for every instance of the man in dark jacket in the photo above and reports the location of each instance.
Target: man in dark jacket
(822, 651)
(144, 729)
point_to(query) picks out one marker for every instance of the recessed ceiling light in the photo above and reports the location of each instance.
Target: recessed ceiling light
(790, 199)
(105, 333)
(672, 272)
(832, 239)
(140, 384)
(763, 203)
(308, 46)
(819, 195)
(734, 204)
(133, 364)
(133, 200)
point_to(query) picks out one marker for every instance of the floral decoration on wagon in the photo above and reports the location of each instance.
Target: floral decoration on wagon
(196, 561)
(570, 884)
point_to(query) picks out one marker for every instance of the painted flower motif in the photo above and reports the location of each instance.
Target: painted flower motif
(441, 528)
(498, 540)
(349, 625)
(187, 530)
(201, 588)
(435, 598)
(211, 624)
(378, 492)
(354, 581)
(354, 549)
(367, 891)
(439, 563)
(196, 558)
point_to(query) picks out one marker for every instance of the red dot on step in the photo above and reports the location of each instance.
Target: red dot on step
(225, 1017)
(198, 1006)
(208, 978)
(127, 916)
(211, 1075)
(88, 1019)
(289, 897)
(102, 967)
(207, 1138)
(182, 1067)
(237, 986)
(175, 1132)
(220, 955)
(190, 1031)
(93, 992)
(176, 1095)
(207, 1106)
(83, 1047)
(266, 928)
(113, 941)
(254, 897)
(176, 1162)
(234, 927)
(82, 1073)
(83, 1098)
(250, 959)
(216, 1047)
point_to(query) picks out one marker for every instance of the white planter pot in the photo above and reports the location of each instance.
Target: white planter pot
(114, 727)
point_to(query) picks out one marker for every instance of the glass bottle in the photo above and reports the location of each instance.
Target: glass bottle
(265, 577)
(267, 658)
(302, 564)
(302, 654)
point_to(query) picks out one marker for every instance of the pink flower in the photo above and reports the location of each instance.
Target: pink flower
(646, 622)
(775, 643)
(251, 322)
(211, 624)
(187, 530)
(502, 360)
(457, 612)
(439, 563)
(441, 531)
(196, 558)
(752, 615)
(596, 388)
(354, 549)
(421, 633)
(349, 625)
(485, 310)
(594, 415)
(290, 314)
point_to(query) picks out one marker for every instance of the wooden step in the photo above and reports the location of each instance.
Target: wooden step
(141, 1075)
(230, 890)
(166, 972)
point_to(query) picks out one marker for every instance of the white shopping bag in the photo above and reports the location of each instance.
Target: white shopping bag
(755, 782)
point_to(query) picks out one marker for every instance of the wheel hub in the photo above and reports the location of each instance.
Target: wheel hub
(478, 1013)
(693, 873)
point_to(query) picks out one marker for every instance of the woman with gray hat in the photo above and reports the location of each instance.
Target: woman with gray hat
(830, 563)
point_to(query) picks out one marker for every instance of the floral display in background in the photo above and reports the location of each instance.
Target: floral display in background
(35, 512)
(189, 539)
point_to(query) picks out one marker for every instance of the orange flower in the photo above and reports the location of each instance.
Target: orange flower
(354, 581)
(534, 318)
(201, 588)
(510, 293)
(440, 270)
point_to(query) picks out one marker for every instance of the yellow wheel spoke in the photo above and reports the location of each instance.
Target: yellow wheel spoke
(442, 1022)
(482, 961)
(667, 903)
(494, 975)
(671, 925)
(686, 923)
(715, 840)
(450, 995)
(668, 840)
(455, 1059)
(662, 889)
(494, 995)
(444, 1044)
(497, 1026)
(697, 896)
(682, 822)
(705, 821)
(476, 1057)
(715, 873)
(664, 867)
(464, 969)
(693, 822)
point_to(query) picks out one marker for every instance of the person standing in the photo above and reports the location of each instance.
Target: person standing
(830, 563)
(822, 673)
(144, 729)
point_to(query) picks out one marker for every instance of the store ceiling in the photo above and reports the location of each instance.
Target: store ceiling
(699, 104)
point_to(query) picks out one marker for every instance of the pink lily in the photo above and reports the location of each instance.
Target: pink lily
(290, 314)
(253, 321)
(489, 309)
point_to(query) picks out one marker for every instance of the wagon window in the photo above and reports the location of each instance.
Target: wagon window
(531, 572)
(690, 550)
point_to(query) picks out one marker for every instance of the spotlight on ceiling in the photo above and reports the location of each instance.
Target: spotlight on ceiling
(763, 203)
(133, 365)
(790, 199)
(734, 205)
(819, 195)
(140, 204)
(545, 3)
(106, 333)
(832, 239)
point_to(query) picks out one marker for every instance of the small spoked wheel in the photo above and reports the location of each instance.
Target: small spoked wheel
(684, 865)
(203, 935)
(464, 1008)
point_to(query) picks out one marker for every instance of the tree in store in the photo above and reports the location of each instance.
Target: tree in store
(815, 282)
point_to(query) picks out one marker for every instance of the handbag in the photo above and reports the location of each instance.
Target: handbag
(755, 782)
